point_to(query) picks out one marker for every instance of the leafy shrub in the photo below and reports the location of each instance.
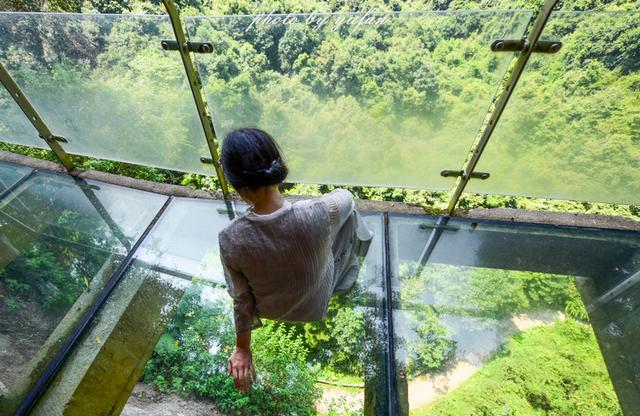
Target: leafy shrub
(191, 358)
(336, 341)
(432, 350)
(285, 384)
(574, 307)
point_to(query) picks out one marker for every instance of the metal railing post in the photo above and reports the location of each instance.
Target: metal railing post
(34, 118)
(195, 84)
(521, 62)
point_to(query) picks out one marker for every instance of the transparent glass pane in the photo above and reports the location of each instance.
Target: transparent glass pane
(505, 316)
(60, 240)
(185, 240)
(190, 358)
(10, 174)
(572, 127)
(14, 125)
(360, 99)
(104, 83)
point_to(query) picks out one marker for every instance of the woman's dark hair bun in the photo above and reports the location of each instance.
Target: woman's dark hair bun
(251, 158)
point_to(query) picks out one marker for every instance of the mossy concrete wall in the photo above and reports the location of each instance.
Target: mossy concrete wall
(36, 365)
(101, 372)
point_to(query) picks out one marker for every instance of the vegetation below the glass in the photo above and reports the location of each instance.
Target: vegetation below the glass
(490, 293)
(291, 359)
(191, 357)
(48, 270)
(555, 370)
(488, 296)
(49, 258)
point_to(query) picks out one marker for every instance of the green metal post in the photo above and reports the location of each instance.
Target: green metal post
(195, 84)
(534, 35)
(35, 119)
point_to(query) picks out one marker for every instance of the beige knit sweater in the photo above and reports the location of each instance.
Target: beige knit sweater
(286, 265)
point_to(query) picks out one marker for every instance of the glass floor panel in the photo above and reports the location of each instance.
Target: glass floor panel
(10, 174)
(545, 315)
(333, 364)
(60, 238)
(512, 318)
(185, 240)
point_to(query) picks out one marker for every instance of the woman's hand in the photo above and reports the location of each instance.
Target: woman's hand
(241, 367)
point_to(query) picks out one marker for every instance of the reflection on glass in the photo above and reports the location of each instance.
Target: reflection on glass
(58, 245)
(331, 366)
(11, 174)
(480, 328)
(572, 128)
(383, 98)
(104, 83)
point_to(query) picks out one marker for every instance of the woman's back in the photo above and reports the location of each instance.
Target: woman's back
(285, 258)
(288, 259)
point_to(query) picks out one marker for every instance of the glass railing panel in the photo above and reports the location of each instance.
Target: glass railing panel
(60, 240)
(387, 99)
(10, 174)
(336, 365)
(505, 317)
(14, 125)
(571, 128)
(104, 83)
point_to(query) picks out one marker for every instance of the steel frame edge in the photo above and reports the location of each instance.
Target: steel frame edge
(194, 84)
(538, 26)
(392, 404)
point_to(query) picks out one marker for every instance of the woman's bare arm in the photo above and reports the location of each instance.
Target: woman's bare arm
(241, 362)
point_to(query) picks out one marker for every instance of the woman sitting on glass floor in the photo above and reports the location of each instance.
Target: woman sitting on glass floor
(282, 260)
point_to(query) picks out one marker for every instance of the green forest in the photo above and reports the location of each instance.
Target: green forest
(393, 104)
(386, 106)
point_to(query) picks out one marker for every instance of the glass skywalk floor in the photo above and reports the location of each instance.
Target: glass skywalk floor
(449, 316)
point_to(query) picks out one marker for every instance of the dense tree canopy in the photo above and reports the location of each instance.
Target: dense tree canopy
(391, 104)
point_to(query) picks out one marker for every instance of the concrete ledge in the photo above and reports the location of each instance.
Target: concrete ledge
(498, 214)
(180, 190)
(554, 218)
(140, 184)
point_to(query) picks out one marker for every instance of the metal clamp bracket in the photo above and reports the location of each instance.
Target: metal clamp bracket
(456, 173)
(55, 138)
(522, 45)
(195, 47)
